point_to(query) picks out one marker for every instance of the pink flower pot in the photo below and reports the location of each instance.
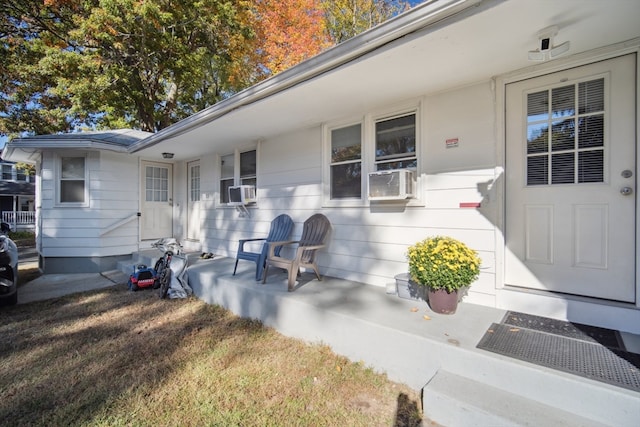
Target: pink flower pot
(442, 302)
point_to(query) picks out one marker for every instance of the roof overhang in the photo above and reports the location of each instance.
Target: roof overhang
(421, 16)
(439, 45)
(27, 149)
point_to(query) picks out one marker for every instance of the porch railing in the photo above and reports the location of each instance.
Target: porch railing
(19, 217)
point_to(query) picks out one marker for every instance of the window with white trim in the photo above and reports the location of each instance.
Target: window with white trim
(396, 143)
(346, 162)
(239, 168)
(72, 180)
(377, 143)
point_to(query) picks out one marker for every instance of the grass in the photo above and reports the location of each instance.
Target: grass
(23, 238)
(114, 358)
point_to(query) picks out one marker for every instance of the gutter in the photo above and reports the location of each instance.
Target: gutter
(422, 16)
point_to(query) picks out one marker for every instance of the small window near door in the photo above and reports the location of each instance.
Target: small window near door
(565, 134)
(194, 183)
(244, 173)
(72, 180)
(346, 162)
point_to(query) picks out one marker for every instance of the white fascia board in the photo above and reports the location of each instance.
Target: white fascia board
(25, 150)
(420, 17)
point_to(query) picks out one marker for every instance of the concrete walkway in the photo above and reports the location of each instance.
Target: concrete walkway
(56, 285)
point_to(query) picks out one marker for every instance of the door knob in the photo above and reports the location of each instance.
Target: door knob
(626, 191)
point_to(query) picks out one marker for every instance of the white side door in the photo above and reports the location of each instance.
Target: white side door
(157, 200)
(193, 201)
(571, 181)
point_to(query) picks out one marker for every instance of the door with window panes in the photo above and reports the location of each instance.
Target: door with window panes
(570, 181)
(157, 201)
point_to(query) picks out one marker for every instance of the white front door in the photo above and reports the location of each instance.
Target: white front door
(570, 181)
(157, 200)
(193, 199)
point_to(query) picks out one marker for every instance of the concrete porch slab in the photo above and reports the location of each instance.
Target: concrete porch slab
(364, 323)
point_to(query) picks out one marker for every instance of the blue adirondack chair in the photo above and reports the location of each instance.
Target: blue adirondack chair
(281, 227)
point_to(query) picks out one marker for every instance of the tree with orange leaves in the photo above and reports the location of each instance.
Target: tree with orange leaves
(289, 31)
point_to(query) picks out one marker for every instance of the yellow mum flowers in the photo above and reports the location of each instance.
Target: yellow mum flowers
(443, 263)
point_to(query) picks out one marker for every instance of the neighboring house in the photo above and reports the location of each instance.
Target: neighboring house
(17, 197)
(521, 139)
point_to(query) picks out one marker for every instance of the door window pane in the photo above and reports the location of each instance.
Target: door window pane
(156, 184)
(565, 125)
(194, 183)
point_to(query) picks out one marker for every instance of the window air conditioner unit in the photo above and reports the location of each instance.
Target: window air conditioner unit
(391, 185)
(242, 195)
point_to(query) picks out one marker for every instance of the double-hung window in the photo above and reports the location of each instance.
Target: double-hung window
(72, 180)
(7, 172)
(346, 162)
(239, 168)
(376, 143)
(396, 143)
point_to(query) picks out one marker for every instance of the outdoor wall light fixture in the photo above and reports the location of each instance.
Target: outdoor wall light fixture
(167, 155)
(546, 49)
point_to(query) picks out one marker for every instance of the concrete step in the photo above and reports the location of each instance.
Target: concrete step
(452, 400)
(547, 391)
(148, 258)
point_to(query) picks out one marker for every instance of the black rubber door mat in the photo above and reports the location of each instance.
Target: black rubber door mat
(576, 356)
(606, 337)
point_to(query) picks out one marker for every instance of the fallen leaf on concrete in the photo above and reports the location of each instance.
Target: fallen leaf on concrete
(414, 309)
(425, 317)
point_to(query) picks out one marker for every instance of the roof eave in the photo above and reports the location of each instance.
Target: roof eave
(420, 17)
(25, 150)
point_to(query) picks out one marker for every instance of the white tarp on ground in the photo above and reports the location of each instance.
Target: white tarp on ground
(179, 287)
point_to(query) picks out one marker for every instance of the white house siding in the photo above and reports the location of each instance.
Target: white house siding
(368, 243)
(72, 236)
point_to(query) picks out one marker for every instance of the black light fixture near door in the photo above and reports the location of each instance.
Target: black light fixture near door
(167, 155)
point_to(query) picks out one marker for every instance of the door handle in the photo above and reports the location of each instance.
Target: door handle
(626, 191)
